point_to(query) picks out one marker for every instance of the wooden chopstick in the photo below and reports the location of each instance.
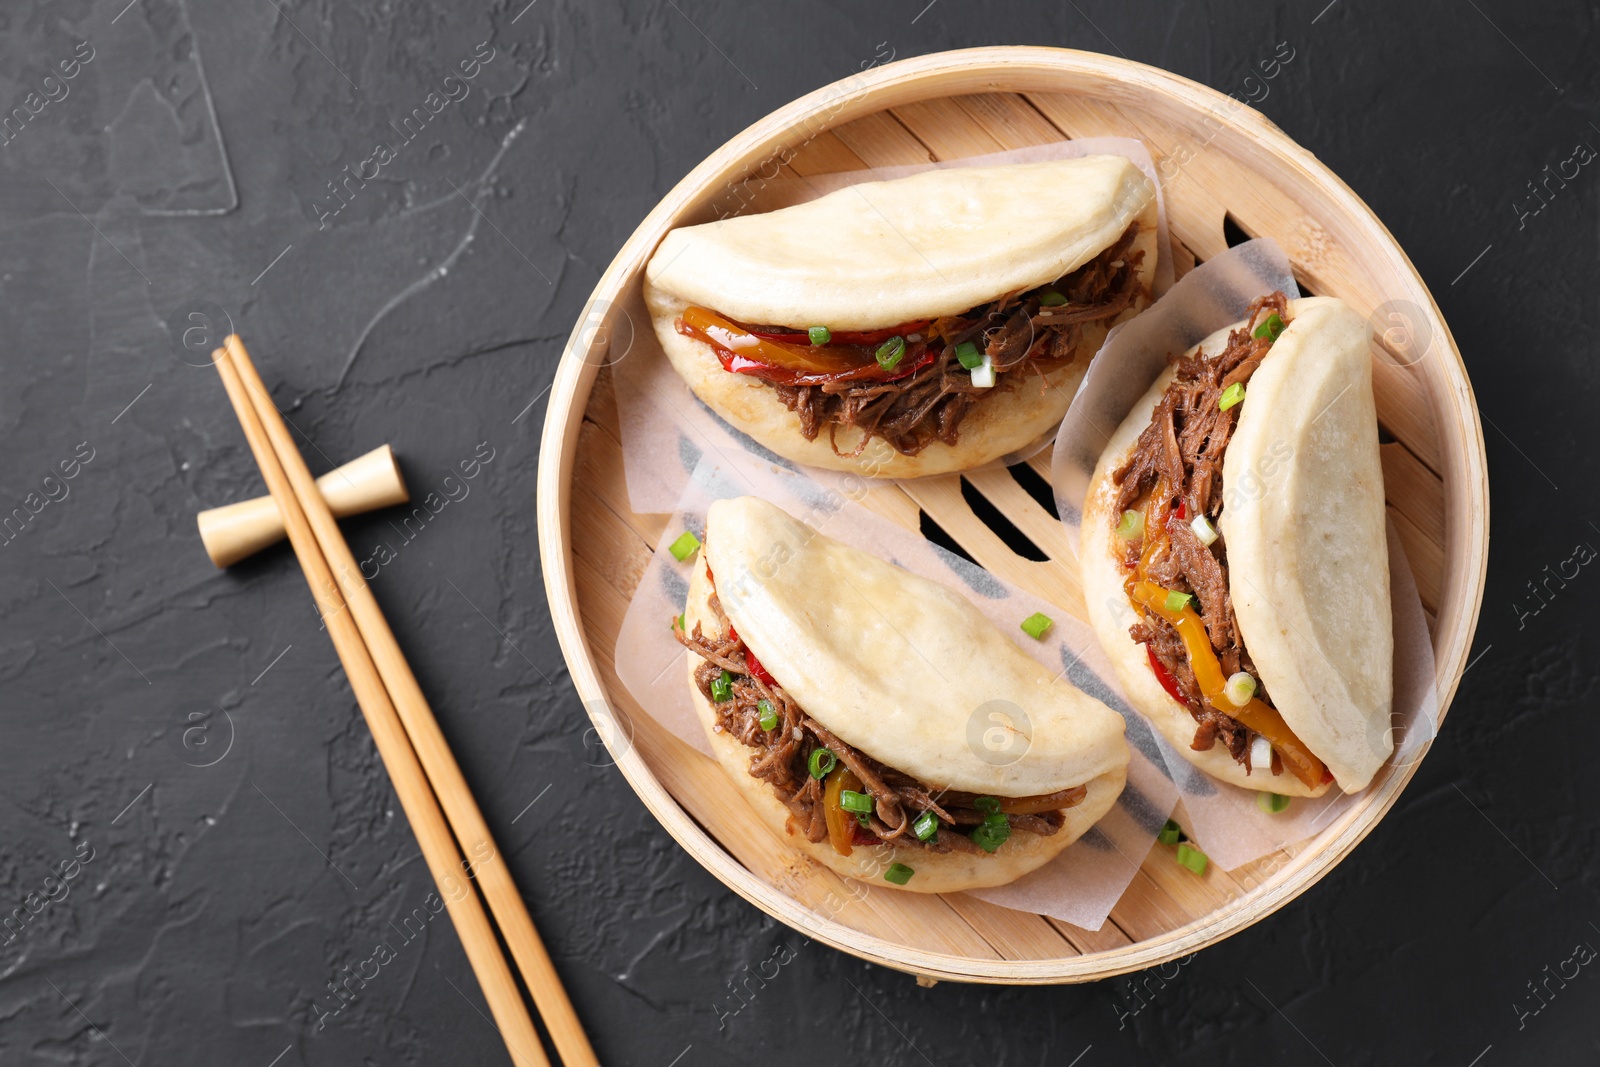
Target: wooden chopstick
(438, 762)
(394, 746)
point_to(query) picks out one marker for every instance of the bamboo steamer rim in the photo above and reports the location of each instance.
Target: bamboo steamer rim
(1021, 69)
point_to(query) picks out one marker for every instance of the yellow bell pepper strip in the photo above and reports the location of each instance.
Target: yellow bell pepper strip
(840, 822)
(1255, 715)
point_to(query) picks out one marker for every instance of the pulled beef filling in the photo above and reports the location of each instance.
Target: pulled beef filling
(1017, 333)
(1181, 451)
(781, 755)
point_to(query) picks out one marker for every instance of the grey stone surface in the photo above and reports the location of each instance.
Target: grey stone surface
(183, 745)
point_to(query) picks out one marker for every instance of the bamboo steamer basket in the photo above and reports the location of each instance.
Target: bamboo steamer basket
(1226, 171)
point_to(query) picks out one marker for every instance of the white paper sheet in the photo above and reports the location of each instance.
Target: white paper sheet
(666, 429)
(1224, 819)
(1082, 884)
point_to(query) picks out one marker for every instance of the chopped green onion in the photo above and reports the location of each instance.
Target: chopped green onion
(859, 803)
(890, 351)
(819, 335)
(1269, 329)
(865, 821)
(1178, 601)
(722, 688)
(821, 762)
(983, 374)
(1131, 526)
(1203, 530)
(684, 546)
(1272, 803)
(1170, 833)
(1239, 689)
(993, 833)
(1192, 858)
(898, 873)
(1051, 299)
(926, 826)
(769, 715)
(968, 355)
(1037, 625)
(1233, 394)
(995, 828)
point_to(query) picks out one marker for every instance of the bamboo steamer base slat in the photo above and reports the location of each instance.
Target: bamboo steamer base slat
(1222, 162)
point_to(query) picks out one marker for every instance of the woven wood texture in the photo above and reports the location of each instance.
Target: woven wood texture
(1247, 178)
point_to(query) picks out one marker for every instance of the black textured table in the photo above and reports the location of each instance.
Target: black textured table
(403, 206)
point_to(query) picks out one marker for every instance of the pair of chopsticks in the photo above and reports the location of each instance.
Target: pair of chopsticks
(419, 762)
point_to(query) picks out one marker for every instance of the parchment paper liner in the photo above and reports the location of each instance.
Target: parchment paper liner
(1082, 884)
(665, 427)
(1223, 819)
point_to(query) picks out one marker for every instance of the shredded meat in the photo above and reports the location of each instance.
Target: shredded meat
(1182, 449)
(1202, 572)
(1016, 332)
(780, 757)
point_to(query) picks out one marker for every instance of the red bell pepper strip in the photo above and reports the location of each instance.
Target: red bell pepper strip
(743, 352)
